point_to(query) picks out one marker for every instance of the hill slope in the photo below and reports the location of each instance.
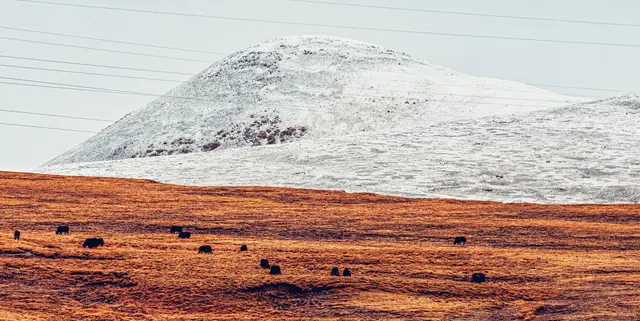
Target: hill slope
(542, 262)
(585, 153)
(304, 87)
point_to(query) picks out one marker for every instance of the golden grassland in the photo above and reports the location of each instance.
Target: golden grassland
(543, 262)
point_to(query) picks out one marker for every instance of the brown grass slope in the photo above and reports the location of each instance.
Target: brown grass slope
(543, 262)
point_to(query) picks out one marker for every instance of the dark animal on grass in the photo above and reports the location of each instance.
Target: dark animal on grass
(63, 229)
(176, 229)
(205, 249)
(275, 270)
(346, 272)
(244, 248)
(92, 243)
(460, 240)
(264, 263)
(184, 235)
(478, 278)
(16, 235)
(335, 272)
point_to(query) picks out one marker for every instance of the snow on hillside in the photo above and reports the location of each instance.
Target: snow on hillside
(581, 153)
(304, 88)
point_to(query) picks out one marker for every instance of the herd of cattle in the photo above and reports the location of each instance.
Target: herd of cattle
(264, 263)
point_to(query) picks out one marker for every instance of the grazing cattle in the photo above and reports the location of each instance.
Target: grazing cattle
(346, 272)
(335, 272)
(63, 229)
(275, 270)
(244, 248)
(16, 235)
(264, 263)
(460, 240)
(92, 243)
(205, 249)
(478, 278)
(184, 235)
(176, 229)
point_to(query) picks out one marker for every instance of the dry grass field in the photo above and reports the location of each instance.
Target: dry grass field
(543, 262)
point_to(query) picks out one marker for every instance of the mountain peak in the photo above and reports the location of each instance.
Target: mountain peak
(303, 87)
(317, 42)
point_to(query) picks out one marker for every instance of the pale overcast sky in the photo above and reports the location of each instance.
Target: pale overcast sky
(531, 62)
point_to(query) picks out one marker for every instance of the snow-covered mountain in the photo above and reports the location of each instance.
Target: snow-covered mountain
(584, 153)
(305, 88)
(328, 113)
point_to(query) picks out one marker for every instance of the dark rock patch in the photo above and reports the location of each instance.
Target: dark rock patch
(211, 146)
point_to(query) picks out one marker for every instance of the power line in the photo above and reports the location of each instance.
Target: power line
(53, 85)
(463, 96)
(362, 88)
(111, 41)
(469, 13)
(457, 95)
(385, 79)
(497, 89)
(54, 115)
(181, 73)
(43, 84)
(339, 26)
(88, 73)
(195, 98)
(544, 85)
(181, 81)
(96, 65)
(72, 86)
(52, 128)
(189, 74)
(583, 88)
(58, 87)
(100, 49)
(93, 132)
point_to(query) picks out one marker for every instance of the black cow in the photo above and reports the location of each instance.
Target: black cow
(92, 243)
(16, 235)
(63, 229)
(244, 248)
(176, 229)
(335, 272)
(478, 278)
(184, 235)
(460, 240)
(275, 270)
(205, 249)
(264, 263)
(346, 272)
